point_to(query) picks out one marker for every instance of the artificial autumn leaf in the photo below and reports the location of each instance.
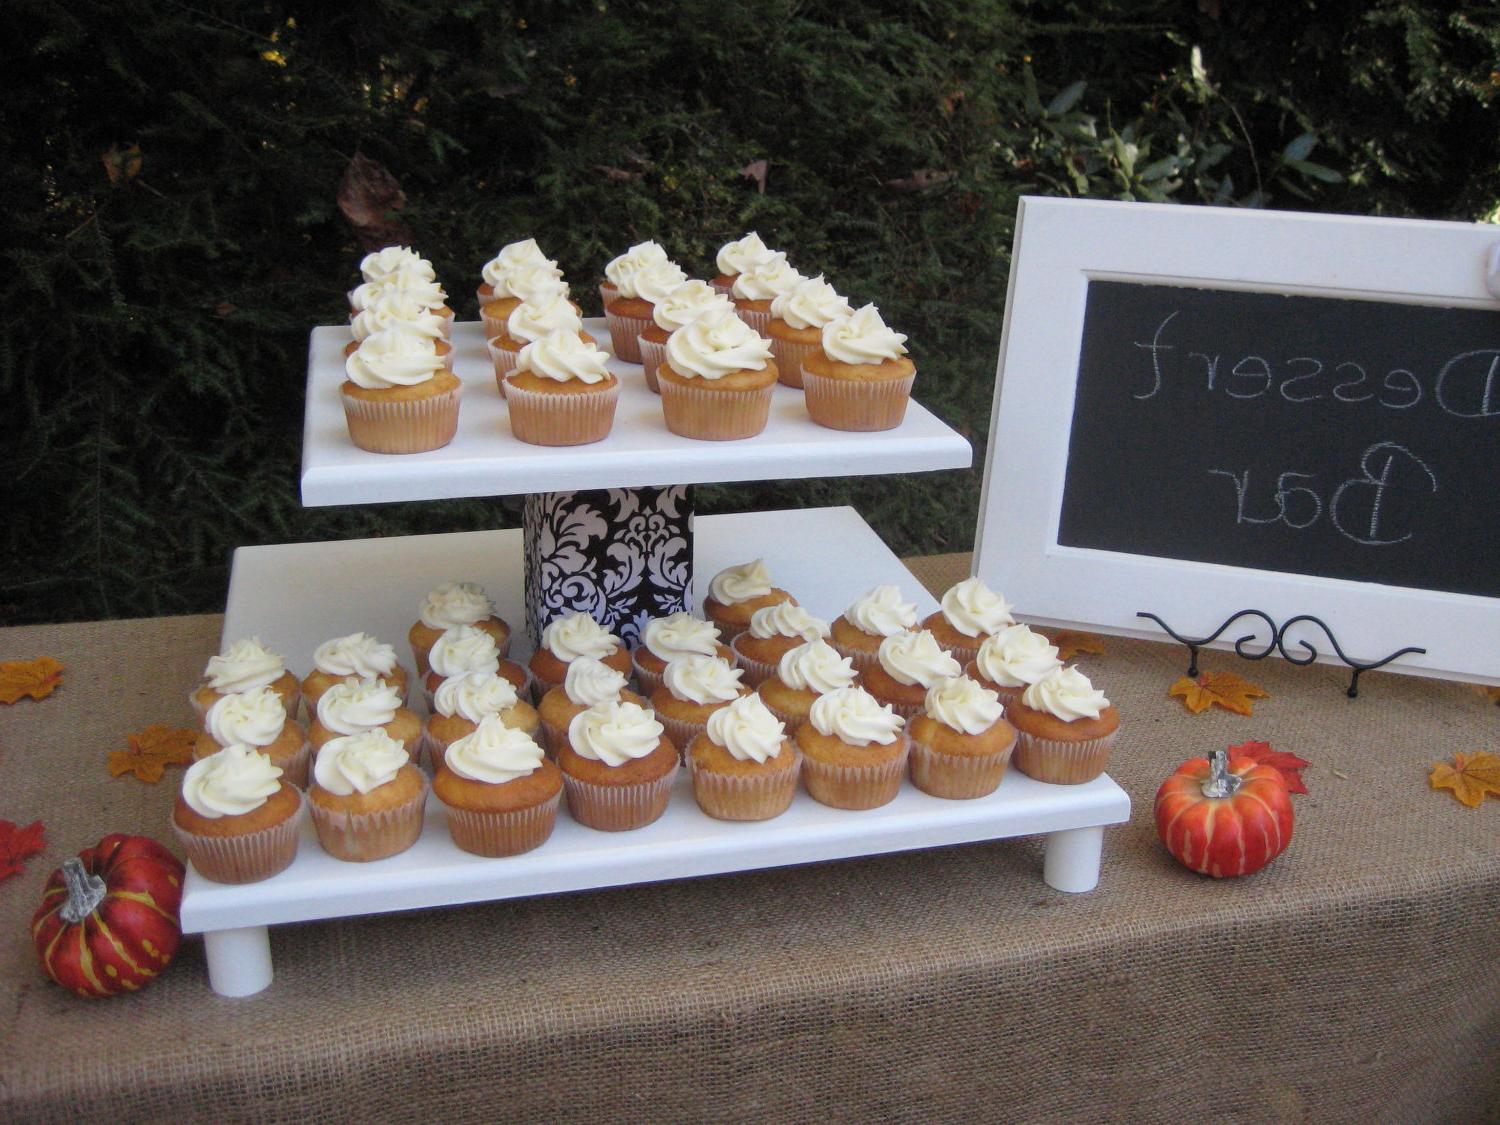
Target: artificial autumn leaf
(1470, 777)
(1490, 693)
(35, 678)
(1218, 689)
(1070, 643)
(16, 844)
(369, 196)
(1289, 765)
(152, 750)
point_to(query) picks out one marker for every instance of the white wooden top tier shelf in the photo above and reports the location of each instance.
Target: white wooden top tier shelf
(484, 459)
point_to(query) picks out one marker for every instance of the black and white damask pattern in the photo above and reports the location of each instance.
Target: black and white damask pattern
(621, 555)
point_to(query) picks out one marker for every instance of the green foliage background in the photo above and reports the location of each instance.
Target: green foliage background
(155, 314)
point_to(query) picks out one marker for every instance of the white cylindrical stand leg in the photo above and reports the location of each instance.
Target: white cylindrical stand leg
(239, 961)
(1071, 861)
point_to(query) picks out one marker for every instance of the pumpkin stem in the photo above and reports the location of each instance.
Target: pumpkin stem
(85, 891)
(1220, 783)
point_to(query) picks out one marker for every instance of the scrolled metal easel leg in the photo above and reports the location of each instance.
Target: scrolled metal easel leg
(239, 961)
(1071, 861)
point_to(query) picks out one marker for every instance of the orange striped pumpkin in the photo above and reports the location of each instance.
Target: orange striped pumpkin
(108, 922)
(1224, 816)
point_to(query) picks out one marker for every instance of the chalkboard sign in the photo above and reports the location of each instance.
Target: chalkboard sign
(1200, 411)
(1341, 438)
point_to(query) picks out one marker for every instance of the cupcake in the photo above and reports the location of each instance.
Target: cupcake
(588, 683)
(970, 612)
(734, 256)
(681, 304)
(760, 283)
(366, 798)
(859, 377)
(795, 326)
(1065, 728)
(617, 767)
(774, 631)
(242, 666)
(626, 313)
(875, 615)
(802, 674)
(565, 640)
(399, 397)
(853, 750)
(355, 657)
(666, 638)
(693, 688)
(630, 316)
(257, 718)
(236, 817)
(510, 258)
(512, 286)
(716, 379)
(380, 264)
(461, 703)
(1010, 661)
(356, 706)
(960, 744)
(906, 665)
(561, 392)
(464, 649)
(499, 793)
(412, 280)
(449, 605)
(530, 321)
(742, 766)
(400, 310)
(735, 594)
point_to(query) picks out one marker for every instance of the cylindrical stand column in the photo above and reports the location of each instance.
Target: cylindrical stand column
(1071, 861)
(239, 961)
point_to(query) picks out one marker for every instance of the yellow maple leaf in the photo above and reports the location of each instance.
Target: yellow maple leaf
(1470, 777)
(1070, 643)
(35, 678)
(1218, 689)
(152, 751)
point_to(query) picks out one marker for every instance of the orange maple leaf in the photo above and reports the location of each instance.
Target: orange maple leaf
(1470, 777)
(35, 678)
(152, 750)
(1070, 643)
(1218, 689)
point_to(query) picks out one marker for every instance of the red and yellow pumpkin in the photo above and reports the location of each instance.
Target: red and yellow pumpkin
(108, 922)
(1224, 816)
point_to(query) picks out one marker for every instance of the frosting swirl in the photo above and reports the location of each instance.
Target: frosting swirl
(463, 649)
(735, 255)
(765, 278)
(914, 658)
(811, 303)
(852, 715)
(747, 729)
(975, 610)
(702, 679)
(254, 718)
(715, 344)
(1066, 694)
(528, 281)
(614, 733)
(351, 706)
(815, 666)
(679, 634)
(358, 654)
(377, 265)
(494, 753)
(621, 271)
(657, 280)
(741, 583)
(543, 315)
(862, 337)
(563, 355)
(244, 665)
(513, 255)
(474, 696)
(962, 704)
(416, 280)
(1016, 656)
(687, 302)
(881, 612)
(362, 762)
(236, 780)
(456, 603)
(590, 681)
(393, 357)
(578, 634)
(397, 309)
(786, 619)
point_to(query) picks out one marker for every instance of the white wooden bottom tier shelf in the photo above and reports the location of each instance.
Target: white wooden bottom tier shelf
(296, 596)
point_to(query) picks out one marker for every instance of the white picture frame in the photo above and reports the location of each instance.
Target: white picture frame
(1063, 244)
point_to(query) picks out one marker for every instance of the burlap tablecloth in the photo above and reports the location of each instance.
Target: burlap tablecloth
(1355, 979)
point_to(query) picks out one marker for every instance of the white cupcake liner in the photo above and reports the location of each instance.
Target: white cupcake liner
(759, 796)
(725, 288)
(758, 319)
(647, 680)
(538, 418)
(863, 661)
(496, 834)
(503, 360)
(552, 738)
(856, 787)
(493, 325)
(298, 767)
(957, 776)
(1062, 762)
(246, 858)
(624, 334)
(681, 733)
(756, 672)
(618, 808)
(789, 355)
(402, 426)
(714, 415)
(362, 837)
(652, 354)
(856, 404)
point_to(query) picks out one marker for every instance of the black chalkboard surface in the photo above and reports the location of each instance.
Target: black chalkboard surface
(1338, 438)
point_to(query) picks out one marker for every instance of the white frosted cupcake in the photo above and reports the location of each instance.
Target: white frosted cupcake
(403, 311)
(529, 322)
(693, 688)
(398, 394)
(774, 631)
(462, 702)
(588, 683)
(758, 285)
(804, 673)
(960, 743)
(1065, 727)
(353, 657)
(512, 279)
(625, 311)
(366, 797)
(743, 766)
(970, 612)
(795, 326)
(734, 256)
(854, 750)
(906, 665)
(736, 592)
(236, 817)
(561, 391)
(356, 706)
(412, 280)
(257, 718)
(617, 767)
(859, 377)
(463, 649)
(500, 795)
(716, 379)
(681, 305)
(875, 615)
(242, 666)
(1010, 661)
(447, 606)
(665, 638)
(376, 266)
(569, 637)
